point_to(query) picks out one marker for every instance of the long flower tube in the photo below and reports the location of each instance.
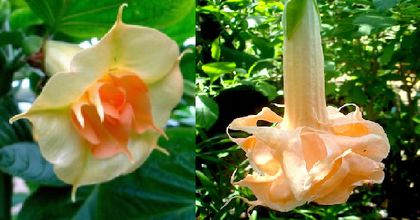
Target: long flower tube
(315, 153)
(103, 110)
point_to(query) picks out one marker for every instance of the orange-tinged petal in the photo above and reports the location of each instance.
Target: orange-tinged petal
(372, 146)
(136, 95)
(314, 149)
(110, 109)
(264, 159)
(360, 170)
(310, 164)
(352, 130)
(273, 191)
(265, 115)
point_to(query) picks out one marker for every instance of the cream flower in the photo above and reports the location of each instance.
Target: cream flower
(102, 111)
(315, 153)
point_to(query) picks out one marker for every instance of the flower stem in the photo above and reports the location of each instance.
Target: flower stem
(303, 70)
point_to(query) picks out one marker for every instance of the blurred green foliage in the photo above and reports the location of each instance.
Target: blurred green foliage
(372, 59)
(163, 188)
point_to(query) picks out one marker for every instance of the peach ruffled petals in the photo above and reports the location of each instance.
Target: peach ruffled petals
(294, 167)
(109, 110)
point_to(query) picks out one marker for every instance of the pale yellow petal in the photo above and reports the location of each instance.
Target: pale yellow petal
(145, 51)
(60, 91)
(90, 170)
(58, 141)
(165, 94)
(71, 155)
(58, 56)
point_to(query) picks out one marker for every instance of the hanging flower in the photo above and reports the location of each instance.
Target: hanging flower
(102, 111)
(315, 153)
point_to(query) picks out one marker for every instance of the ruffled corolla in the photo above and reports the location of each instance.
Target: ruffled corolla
(315, 153)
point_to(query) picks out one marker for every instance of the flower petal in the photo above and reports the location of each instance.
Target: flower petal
(372, 146)
(145, 51)
(58, 56)
(165, 95)
(266, 114)
(91, 170)
(58, 141)
(360, 170)
(273, 192)
(87, 119)
(264, 159)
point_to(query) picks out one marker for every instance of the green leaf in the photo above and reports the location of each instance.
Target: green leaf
(417, 119)
(24, 160)
(374, 21)
(330, 88)
(16, 132)
(267, 90)
(13, 37)
(216, 69)
(4, 10)
(189, 89)
(329, 69)
(50, 203)
(31, 44)
(205, 181)
(365, 29)
(187, 65)
(35, 79)
(23, 18)
(263, 46)
(183, 29)
(294, 12)
(162, 188)
(358, 96)
(387, 54)
(86, 19)
(384, 5)
(215, 49)
(207, 111)
(240, 58)
(185, 115)
(417, 130)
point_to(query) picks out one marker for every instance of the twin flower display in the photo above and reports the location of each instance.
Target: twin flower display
(104, 108)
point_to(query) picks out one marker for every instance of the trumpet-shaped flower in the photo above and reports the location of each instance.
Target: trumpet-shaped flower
(102, 111)
(315, 153)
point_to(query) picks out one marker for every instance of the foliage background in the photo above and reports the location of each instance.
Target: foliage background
(371, 50)
(162, 188)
